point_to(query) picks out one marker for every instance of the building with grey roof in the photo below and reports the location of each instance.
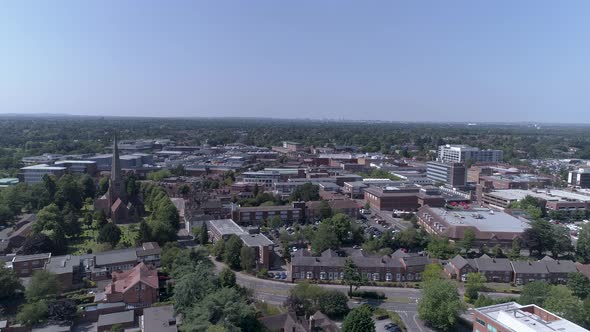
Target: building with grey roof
(125, 319)
(158, 319)
(330, 264)
(491, 228)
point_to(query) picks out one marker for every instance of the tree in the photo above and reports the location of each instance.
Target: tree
(109, 233)
(69, 191)
(534, 293)
(48, 218)
(192, 288)
(232, 252)
(334, 304)
(324, 238)
(275, 222)
(325, 209)
(562, 243)
(440, 247)
(583, 245)
(169, 253)
(432, 273)
(144, 234)
(100, 219)
(227, 278)
(204, 234)
(440, 305)
(562, 302)
(474, 284)
(515, 251)
(43, 285)
(539, 237)
(579, 284)
(218, 249)
(256, 190)
(359, 320)
(367, 206)
(9, 283)
(341, 225)
(352, 277)
(468, 239)
(103, 185)
(305, 193)
(32, 313)
(247, 258)
(162, 231)
(88, 187)
(37, 244)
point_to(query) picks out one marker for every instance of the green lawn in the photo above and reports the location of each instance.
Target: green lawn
(87, 240)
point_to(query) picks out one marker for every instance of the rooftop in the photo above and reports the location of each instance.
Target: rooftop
(24, 258)
(484, 220)
(115, 256)
(62, 264)
(44, 167)
(256, 240)
(159, 319)
(515, 317)
(226, 227)
(547, 195)
(116, 318)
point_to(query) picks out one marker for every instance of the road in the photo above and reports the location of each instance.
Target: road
(402, 300)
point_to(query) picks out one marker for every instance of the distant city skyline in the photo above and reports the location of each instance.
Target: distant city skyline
(455, 61)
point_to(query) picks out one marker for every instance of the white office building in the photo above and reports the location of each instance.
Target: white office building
(463, 153)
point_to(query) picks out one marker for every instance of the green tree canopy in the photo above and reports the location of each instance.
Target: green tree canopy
(43, 285)
(440, 305)
(109, 233)
(9, 283)
(359, 320)
(232, 251)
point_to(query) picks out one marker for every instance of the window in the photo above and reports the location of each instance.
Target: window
(295, 275)
(368, 276)
(418, 276)
(341, 275)
(388, 277)
(309, 275)
(375, 276)
(330, 275)
(397, 276)
(491, 328)
(142, 286)
(410, 276)
(481, 322)
(136, 287)
(322, 275)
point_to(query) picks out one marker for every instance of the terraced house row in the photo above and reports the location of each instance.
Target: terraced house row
(397, 267)
(518, 272)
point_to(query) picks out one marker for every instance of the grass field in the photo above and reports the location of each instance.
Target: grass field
(87, 241)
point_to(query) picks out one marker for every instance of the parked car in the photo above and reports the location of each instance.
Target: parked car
(271, 275)
(277, 276)
(283, 275)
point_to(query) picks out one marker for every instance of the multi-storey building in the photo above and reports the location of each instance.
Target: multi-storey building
(78, 166)
(555, 200)
(513, 317)
(452, 175)
(26, 265)
(579, 178)
(464, 153)
(34, 174)
(256, 215)
(407, 197)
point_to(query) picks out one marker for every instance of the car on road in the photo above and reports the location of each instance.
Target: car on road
(391, 327)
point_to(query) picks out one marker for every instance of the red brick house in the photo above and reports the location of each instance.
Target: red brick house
(138, 286)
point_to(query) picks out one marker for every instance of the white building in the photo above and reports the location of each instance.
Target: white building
(463, 153)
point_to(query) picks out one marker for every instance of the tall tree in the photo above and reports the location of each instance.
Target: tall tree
(359, 320)
(562, 302)
(227, 278)
(324, 238)
(144, 234)
(109, 233)
(562, 243)
(247, 258)
(231, 255)
(88, 187)
(474, 284)
(432, 273)
(43, 285)
(539, 237)
(583, 245)
(534, 293)
(204, 234)
(352, 276)
(9, 283)
(468, 239)
(579, 284)
(440, 305)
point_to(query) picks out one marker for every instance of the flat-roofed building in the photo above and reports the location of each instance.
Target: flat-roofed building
(34, 174)
(256, 215)
(513, 317)
(262, 247)
(459, 153)
(26, 265)
(405, 197)
(452, 175)
(222, 229)
(79, 166)
(490, 227)
(579, 178)
(556, 200)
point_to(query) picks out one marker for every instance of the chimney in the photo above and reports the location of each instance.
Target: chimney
(112, 288)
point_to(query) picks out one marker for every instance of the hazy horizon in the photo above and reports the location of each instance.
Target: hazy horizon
(457, 61)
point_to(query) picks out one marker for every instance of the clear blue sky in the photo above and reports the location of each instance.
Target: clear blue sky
(391, 60)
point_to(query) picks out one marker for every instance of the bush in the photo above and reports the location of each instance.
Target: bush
(263, 273)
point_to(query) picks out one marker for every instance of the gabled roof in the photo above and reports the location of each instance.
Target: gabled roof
(127, 279)
(530, 267)
(493, 264)
(557, 266)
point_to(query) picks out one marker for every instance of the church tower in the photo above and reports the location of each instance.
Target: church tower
(116, 183)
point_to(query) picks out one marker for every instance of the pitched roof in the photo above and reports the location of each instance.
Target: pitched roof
(557, 266)
(493, 264)
(584, 269)
(459, 262)
(127, 279)
(530, 267)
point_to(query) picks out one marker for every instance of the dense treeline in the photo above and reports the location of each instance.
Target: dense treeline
(72, 135)
(164, 222)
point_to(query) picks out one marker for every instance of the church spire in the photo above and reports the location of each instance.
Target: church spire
(116, 163)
